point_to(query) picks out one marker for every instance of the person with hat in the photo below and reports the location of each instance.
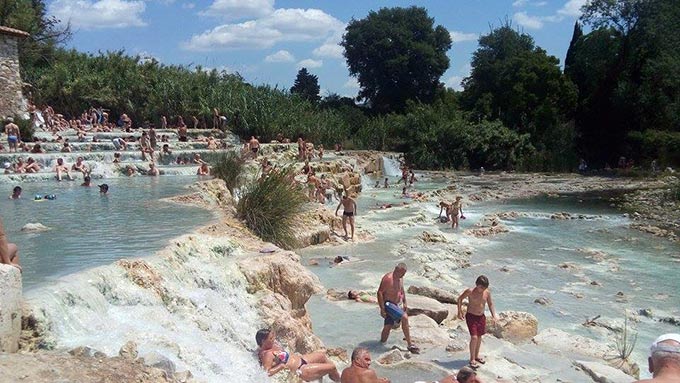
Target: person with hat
(13, 134)
(664, 360)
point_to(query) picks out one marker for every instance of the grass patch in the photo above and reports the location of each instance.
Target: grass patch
(229, 167)
(626, 340)
(269, 207)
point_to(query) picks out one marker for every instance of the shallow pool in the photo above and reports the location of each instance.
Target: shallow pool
(88, 229)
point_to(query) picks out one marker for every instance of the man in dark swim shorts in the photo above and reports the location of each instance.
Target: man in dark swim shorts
(350, 208)
(254, 145)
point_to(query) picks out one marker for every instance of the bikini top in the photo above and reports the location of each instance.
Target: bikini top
(281, 356)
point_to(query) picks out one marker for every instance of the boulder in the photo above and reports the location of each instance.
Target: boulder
(426, 333)
(34, 228)
(514, 326)
(434, 309)
(543, 301)
(561, 342)
(85, 351)
(441, 295)
(393, 356)
(154, 359)
(10, 308)
(602, 373)
(128, 351)
(281, 273)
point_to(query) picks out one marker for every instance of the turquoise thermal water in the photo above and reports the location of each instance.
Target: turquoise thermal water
(640, 266)
(88, 229)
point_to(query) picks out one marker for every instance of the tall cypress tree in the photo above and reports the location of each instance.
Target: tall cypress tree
(307, 86)
(569, 60)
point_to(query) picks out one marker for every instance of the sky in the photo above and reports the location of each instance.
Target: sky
(268, 41)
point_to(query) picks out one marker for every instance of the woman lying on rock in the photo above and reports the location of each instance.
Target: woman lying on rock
(353, 295)
(308, 367)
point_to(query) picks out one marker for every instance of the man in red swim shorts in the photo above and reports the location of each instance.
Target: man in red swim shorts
(478, 297)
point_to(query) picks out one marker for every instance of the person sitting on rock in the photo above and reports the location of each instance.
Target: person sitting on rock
(308, 367)
(664, 360)
(359, 371)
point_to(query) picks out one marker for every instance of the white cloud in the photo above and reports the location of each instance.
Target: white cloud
(454, 82)
(281, 25)
(331, 48)
(87, 14)
(352, 83)
(188, 5)
(239, 9)
(281, 56)
(459, 37)
(572, 8)
(310, 63)
(523, 3)
(530, 22)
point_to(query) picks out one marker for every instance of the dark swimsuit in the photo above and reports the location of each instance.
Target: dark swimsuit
(348, 213)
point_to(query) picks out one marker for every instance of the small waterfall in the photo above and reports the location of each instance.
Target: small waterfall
(366, 182)
(390, 167)
(188, 303)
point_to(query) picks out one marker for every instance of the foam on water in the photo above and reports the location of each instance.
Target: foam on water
(189, 304)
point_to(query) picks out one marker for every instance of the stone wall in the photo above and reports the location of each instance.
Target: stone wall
(10, 308)
(12, 102)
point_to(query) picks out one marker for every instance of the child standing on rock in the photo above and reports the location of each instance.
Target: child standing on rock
(478, 297)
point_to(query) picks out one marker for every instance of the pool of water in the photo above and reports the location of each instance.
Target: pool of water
(88, 229)
(608, 257)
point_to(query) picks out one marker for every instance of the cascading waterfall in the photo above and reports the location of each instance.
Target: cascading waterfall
(188, 303)
(390, 167)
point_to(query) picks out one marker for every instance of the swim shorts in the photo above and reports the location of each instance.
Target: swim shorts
(183, 138)
(254, 150)
(394, 314)
(12, 139)
(348, 213)
(476, 324)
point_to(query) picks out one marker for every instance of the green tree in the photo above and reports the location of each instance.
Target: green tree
(575, 37)
(517, 83)
(307, 86)
(397, 54)
(627, 72)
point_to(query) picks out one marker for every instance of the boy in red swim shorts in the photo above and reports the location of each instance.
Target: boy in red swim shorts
(477, 297)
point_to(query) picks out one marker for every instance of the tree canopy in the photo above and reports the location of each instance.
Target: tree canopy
(397, 54)
(307, 86)
(517, 83)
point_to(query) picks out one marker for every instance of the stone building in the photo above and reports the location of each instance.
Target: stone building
(12, 101)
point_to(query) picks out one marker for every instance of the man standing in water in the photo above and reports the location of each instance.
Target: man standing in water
(349, 210)
(478, 297)
(664, 360)
(392, 303)
(9, 252)
(359, 371)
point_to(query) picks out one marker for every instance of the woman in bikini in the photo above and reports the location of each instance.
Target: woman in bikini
(308, 367)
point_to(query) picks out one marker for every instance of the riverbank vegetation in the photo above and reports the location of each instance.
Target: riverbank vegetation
(616, 95)
(270, 205)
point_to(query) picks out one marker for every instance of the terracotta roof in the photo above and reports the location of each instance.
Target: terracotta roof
(12, 32)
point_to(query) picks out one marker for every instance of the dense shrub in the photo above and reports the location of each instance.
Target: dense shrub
(25, 129)
(269, 207)
(652, 143)
(147, 90)
(229, 167)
